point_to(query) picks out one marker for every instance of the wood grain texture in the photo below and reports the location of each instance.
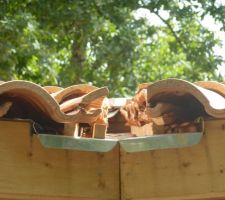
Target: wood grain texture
(30, 171)
(99, 131)
(145, 130)
(192, 173)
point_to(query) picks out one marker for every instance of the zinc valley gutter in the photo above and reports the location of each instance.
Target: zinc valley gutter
(138, 144)
(133, 144)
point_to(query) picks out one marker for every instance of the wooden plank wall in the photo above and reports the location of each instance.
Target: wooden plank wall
(28, 171)
(196, 172)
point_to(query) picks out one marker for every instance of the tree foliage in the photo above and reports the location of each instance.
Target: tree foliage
(64, 42)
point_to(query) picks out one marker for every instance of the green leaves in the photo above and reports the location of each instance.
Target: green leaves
(103, 43)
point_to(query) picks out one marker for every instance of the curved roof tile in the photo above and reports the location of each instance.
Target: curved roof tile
(209, 95)
(43, 100)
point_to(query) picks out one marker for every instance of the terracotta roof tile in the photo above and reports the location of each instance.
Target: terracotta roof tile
(166, 101)
(211, 98)
(175, 102)
(79, 103)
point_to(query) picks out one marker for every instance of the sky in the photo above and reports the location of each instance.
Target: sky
(207, 22)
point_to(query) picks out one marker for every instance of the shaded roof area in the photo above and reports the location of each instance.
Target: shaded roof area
(210, 94)
(52, 106)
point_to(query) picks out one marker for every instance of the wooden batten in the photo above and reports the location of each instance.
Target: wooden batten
(71, 129)
(145, 130)
(77, 130)
(99, 131)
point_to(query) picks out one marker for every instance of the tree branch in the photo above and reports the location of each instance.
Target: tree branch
(170, 28)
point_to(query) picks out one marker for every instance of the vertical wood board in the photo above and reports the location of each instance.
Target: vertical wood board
(196, 172)
(30, 171)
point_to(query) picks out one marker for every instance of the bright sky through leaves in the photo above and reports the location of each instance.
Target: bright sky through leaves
(208, 22)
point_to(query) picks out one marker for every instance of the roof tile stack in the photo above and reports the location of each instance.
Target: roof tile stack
(170, 105)
(174, 106)
(52, 106)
